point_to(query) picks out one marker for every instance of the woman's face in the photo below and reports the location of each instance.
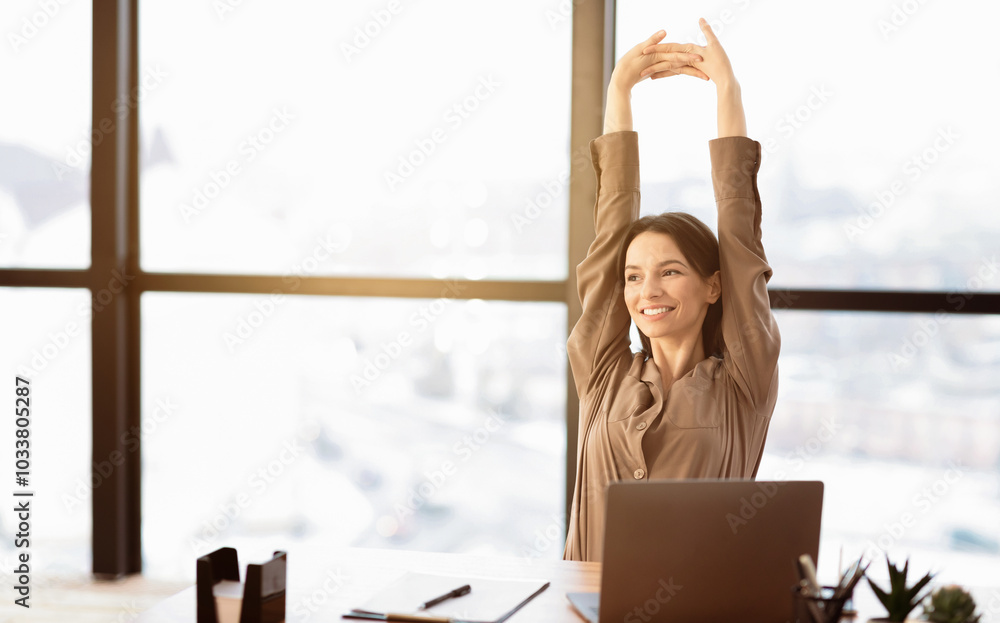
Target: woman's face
(665, 296)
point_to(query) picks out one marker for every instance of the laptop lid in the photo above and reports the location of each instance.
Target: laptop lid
(706, 550)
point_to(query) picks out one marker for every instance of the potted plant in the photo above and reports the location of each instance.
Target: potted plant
(900, 599)
(951, 604)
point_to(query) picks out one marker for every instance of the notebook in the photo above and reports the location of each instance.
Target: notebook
(703, 550)
(491, 600)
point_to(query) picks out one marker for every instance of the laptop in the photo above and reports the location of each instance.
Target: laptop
(689, 551)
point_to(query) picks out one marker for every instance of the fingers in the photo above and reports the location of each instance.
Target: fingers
(687, 70)
(639, 47)
(706, 29)
(663, 74)
(653, 39)
(690, 48)
(668, 62)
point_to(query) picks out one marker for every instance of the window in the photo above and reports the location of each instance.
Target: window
(434, 425)
(260, 211)
(45, 335)
(401, 140)
(45, 155)
(872, 181)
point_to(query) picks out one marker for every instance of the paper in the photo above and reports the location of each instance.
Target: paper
(489, 600)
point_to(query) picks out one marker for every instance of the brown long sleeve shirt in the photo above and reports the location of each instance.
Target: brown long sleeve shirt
(713, 421)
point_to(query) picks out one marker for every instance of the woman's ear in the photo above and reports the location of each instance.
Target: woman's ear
(714, 287)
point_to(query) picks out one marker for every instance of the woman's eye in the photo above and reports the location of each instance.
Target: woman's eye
(670, 272)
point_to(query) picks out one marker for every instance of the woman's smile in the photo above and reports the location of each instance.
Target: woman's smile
(656, 312)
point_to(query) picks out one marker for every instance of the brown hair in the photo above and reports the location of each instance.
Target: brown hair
(699, 245)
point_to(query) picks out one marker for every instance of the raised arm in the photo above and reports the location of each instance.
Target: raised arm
(748, 327)
(601, 336)
(732, 121)
(671, 59)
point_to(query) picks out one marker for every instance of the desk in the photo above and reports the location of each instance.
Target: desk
(324, 585)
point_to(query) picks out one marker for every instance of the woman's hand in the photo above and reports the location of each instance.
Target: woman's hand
(672, 59)
(714, 66)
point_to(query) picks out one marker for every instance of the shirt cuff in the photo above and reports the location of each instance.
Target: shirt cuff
(735, 162)
(616, 160)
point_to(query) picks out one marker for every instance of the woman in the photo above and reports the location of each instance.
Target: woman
(696, 402)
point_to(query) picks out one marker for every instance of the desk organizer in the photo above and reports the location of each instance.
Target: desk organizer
(263, 595)
(815, 609)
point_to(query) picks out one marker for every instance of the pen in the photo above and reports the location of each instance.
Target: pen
(458, 592)
(808, 570)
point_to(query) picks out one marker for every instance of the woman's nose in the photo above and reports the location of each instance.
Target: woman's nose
(650, 289)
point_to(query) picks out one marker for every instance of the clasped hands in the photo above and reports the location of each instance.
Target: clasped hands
(653, 59)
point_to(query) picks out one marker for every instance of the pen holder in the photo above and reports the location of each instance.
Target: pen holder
(823, 609)
(263, 594)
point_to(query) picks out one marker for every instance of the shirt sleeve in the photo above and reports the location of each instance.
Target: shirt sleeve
(601, 335)
(748, 327)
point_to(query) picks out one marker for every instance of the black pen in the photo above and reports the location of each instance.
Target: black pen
(458, 592)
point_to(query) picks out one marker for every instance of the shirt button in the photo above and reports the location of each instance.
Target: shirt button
(640, 426)
(639, 473)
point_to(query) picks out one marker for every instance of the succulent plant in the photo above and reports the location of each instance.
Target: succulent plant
(951, 604)
(900, 600)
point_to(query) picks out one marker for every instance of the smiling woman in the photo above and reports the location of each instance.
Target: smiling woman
(686, 284)
(698, 399)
